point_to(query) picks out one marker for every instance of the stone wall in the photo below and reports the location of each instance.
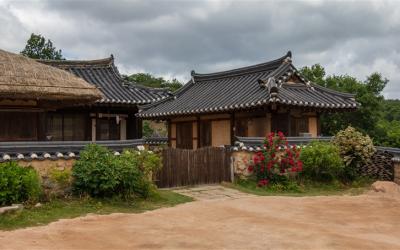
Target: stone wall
(240, 163)
(396, 163)
(44, 166)
(51, 188)
(380, 167)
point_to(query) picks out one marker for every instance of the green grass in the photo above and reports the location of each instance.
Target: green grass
(65, 209)
(308, 189)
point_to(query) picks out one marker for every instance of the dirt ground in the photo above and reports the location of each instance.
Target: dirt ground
(330, 222)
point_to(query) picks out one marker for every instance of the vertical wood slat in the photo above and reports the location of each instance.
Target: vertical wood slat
(183, 167)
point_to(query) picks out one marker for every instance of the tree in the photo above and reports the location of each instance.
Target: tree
(149, 80)
(38, 48)
(368, 93)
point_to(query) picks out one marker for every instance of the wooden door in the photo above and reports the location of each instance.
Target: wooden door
(205, 133)
(280, 122)
(184, 135)
(18, 126)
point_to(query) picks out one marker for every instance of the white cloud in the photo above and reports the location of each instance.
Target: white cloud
(170, 38)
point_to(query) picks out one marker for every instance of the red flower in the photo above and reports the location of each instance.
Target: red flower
(262, 183)
(293, 169)
(269, 165)
(250, 168)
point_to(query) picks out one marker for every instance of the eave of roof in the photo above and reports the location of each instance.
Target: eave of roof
(248, 88)
(104, 74)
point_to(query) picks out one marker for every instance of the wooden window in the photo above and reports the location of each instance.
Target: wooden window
(184, 135)
(66, 126)
(205, 133)
(18, 126)
(107, 129)
(280, 122)
(74, 127)
(299, 125)
(54, 127)
(241, 127)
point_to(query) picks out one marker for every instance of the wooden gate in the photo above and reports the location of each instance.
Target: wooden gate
(184, 167)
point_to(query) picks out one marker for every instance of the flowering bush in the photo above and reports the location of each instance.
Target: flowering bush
(275, 160)
(355, 149)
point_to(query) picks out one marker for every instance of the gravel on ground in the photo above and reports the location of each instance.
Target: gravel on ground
(369, 221)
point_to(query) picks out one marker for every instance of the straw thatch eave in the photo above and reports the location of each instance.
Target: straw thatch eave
(24, 78)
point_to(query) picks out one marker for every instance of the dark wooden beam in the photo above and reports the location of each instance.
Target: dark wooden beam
(232, 123)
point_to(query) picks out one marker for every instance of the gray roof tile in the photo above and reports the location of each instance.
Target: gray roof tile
(104, 74)
(245, 88)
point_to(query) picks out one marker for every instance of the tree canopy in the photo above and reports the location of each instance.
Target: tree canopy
(376, 116)
(149, 80)
(38, 48)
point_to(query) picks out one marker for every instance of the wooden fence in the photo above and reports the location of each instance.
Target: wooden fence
(183, 167)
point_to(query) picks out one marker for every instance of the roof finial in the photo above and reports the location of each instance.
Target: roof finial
(192, 73)
(288, 58)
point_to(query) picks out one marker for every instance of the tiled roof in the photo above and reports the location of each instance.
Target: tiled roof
(54, 150)
(104, 74)
(249, 87)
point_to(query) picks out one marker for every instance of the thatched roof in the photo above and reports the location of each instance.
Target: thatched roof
(24, 78)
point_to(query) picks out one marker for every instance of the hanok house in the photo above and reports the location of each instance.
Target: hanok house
(110, 118)
(211, 109)
(68, 100)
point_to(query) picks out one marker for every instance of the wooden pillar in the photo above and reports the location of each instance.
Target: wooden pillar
(318, 124)
(169, 132)
(232, 123)
(122, 128)
(198, 132)
(94, 128)
(269, 124)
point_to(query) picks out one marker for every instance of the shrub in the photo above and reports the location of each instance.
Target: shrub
(18, 184)
(355, 149)
(62, 177)
(275, 160)
(321, 161)
(99, 173)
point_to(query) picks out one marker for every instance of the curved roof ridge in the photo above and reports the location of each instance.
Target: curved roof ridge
(332, 91)
(103, 62)
(270, 65)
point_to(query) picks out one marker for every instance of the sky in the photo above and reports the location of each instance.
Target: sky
(171, 38)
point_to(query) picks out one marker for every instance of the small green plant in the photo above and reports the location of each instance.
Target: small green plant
(321, 161)
(62, 177)
(355, 149)
(18, 184)
(100, 173)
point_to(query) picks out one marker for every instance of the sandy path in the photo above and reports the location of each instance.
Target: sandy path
(334, 222)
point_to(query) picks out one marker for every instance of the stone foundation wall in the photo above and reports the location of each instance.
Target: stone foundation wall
(380, 167)
(51, 188)
(240, 163)
(44, 166)
(396, 171)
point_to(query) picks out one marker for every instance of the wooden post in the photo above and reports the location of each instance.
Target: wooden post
(169, 132)
(94, 129)
(232, 121)
(198, 132)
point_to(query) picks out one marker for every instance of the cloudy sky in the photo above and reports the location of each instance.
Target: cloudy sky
(170, 38)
